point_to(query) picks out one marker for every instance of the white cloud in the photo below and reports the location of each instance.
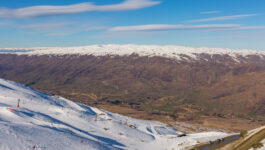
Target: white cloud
(251, 27)
(161, 27)
(167, 27)
(242, 28)
(224, 18)
(210, 12)
(36, 11)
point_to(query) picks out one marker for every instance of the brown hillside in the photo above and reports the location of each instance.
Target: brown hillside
(153, 87)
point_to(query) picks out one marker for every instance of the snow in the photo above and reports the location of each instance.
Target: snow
(254, 131)
(169, 51)
(262, 148)
(50, 122)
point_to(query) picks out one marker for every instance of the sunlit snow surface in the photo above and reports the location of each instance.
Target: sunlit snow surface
(168, 51)
(50, 122)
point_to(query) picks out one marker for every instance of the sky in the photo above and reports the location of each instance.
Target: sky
(237, 24)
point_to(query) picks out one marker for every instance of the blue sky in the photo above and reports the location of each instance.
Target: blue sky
(197, 23)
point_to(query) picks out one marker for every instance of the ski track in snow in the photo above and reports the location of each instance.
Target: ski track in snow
(168, 51)
(50, 122)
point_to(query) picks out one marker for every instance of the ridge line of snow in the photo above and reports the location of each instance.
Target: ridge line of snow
(129, 49)
(167, 51)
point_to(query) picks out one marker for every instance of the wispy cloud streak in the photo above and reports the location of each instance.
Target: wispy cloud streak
(166, 27)
(224, 18)
(242, 28)
(210, 12)
(48, 10)
(161, 27)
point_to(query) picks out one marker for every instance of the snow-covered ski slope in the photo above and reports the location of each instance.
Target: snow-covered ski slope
(50, 122)
(168, 51)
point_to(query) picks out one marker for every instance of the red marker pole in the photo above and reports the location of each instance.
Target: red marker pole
(18, 103)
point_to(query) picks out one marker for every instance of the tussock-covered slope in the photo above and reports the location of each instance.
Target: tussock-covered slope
(49, 122)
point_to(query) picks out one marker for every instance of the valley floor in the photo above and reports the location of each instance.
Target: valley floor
(196, 124)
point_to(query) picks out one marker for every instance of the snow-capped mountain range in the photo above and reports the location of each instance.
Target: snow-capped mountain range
(169, 51)
(30, 119)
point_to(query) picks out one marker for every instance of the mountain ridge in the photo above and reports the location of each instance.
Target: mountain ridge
(168, 51)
